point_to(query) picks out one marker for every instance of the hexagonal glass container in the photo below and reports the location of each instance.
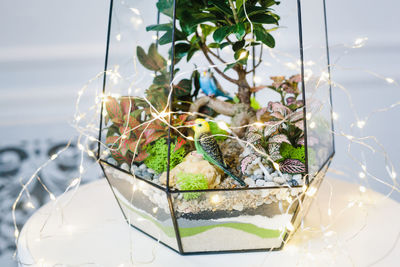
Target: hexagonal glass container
(216, 120)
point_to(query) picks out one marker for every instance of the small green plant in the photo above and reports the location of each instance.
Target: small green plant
(158, 154)
(191, 181)
(289, 152)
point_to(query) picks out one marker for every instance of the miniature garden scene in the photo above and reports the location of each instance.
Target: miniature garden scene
(203, 139)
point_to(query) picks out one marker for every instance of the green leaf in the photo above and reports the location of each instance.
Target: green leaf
(229, 66)
(222, 6)
(166, 38)
(183, 88)
(156, 57)
(221, 33)
(239, 30)
(263, 19)
(224, 44)
(264, 36)
(238, 45)
(147, 61)
(191, 52)
(214, 45)
(114, 110)
(160, 79)
(159, 27)
(239, 4)
(196, 82)
(181, 49)
(206, 29)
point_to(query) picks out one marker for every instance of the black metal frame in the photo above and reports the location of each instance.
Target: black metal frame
(168, 190)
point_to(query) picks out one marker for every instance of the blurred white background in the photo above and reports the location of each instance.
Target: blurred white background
(50, 48)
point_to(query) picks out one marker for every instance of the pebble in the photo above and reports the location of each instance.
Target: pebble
(142, 167)
(238, 207)
(249, 181)
(287, 176)
(151, 171)
(112, 161)
(258, 172)
(279, 179)
(261, 177)
(260, 182)
(293, 183)
(297, 177)
(125, 166)
(274, 174)
(147, 176)
(269, 184)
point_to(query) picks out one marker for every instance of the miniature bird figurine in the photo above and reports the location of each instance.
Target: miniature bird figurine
(207, 146)
(210, 86)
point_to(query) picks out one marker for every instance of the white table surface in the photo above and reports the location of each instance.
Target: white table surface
(86, 228)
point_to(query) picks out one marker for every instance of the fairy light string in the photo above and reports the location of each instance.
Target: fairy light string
(87, 129)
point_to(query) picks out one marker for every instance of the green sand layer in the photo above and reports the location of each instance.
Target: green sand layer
(191, 231)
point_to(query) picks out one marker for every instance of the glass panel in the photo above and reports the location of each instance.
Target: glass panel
(318, 94)
(137, 88)
(144, 206)
(234, 220)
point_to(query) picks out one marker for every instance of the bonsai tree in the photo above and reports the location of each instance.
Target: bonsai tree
(208, 26)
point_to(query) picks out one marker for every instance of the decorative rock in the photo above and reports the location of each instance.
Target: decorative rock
(250, 182)
(269, 184)
(260, 182)
(293, 183)
(192, 163)
(258, 172)
(112, 161)
(274, 174)
(297, 177)
(142, 167)
(125, 166)
(279, 180)
(287, 176)
(134, 168)
(147, 175)
(238, 207)
(151, 171)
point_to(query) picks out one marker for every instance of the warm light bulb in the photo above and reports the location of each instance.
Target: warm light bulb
(360, 124)
(223, 125)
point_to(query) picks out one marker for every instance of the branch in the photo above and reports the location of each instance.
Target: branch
(234, 12)
(226, 77)
(259, 61)
(216, 56)
(219, 106)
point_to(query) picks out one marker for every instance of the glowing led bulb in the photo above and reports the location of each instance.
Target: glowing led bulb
(81, 147)
(362, 189)
(52, 197)
(361, 175)
(311, 191)
(389, 80)
(16, 233)
(308, 116)
(118, 37)
(335, 116)
(74, 182)
(242, 55)
(190, 138)
(215, 199)
(312, 125)
(29, 205)
(289, 226)
(360, 124)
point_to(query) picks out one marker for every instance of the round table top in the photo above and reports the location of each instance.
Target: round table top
(344, 227)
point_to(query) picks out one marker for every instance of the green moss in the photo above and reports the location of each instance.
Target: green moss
(289, 152)
(159, 154)
(191, 181)
(215, 130)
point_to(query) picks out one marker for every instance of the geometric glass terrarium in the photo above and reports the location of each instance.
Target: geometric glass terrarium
(216, 125)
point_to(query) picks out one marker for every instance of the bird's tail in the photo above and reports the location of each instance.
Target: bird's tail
(240, 181)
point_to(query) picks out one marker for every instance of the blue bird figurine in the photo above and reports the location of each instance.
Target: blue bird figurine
(210, 86)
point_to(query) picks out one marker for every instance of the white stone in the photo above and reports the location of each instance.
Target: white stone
(260, 183)
(238, 207)
(250, 182)
(125, 166)
(265, 193)
(269, 184)
(297, 177)
(287, 176)
(258, 172)
(112, 161)
(151, 171)
(142, 167)
(274, 174)
(279, 179)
